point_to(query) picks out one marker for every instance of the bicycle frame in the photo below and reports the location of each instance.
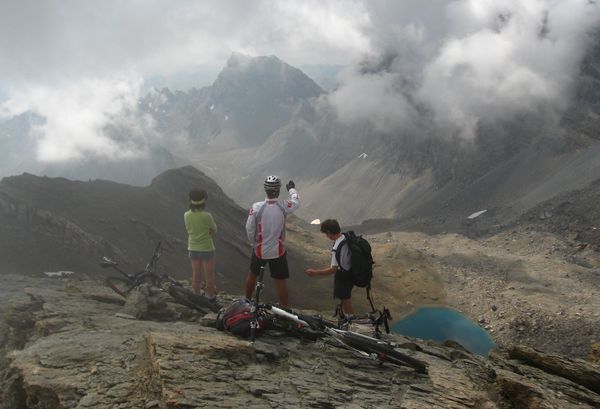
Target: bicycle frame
(338, 335)
(149, 270)
(161, 280)
(285, 314)
(254, 325)
(151, 266)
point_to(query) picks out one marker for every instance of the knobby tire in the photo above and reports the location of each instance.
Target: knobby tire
(189, 299)
(291, 327)
(384, 351)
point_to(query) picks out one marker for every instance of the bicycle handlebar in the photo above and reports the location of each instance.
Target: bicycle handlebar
(154, 258)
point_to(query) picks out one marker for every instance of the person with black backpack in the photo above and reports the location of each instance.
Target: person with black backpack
(341, 266)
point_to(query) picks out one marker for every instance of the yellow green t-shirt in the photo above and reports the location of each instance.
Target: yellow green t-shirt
(200, 226)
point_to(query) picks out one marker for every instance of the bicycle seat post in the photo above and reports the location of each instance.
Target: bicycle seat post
(259, 281)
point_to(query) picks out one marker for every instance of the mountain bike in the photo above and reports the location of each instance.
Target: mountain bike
(125, 283)
(315, 327)
(373, 348)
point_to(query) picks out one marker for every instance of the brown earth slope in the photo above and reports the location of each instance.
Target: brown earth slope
(523, 285)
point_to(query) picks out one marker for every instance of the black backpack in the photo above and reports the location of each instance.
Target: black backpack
(360, 258)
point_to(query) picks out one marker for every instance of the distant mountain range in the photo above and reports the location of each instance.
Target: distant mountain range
(356, 173)
(261, 116)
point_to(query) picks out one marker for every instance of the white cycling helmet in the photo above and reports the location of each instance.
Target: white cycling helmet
(272, 183)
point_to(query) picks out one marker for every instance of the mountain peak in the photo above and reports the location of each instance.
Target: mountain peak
(240, 60)
(266, 73)
(254, 96)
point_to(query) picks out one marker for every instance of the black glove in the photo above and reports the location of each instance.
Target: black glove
(290, 185)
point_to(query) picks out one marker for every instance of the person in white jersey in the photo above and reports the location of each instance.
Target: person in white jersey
(265, 228)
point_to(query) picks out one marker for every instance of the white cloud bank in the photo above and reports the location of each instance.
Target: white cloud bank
(71, 61)
(487, 59)
(88, 117)
(464, 60)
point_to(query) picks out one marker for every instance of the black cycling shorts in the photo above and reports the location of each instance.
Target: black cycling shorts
(278, 266)
(342, 285)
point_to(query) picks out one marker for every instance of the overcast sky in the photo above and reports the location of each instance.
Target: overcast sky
(71, 60)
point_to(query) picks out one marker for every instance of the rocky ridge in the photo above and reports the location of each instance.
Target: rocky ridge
(67, 344)
(73, 224)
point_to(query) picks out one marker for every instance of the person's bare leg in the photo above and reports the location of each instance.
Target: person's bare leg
(196, 269)
(282, 291)
(250, 283)
(209, 276)
(347, 308)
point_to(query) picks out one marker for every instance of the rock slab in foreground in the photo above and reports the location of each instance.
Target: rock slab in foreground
(66, 345)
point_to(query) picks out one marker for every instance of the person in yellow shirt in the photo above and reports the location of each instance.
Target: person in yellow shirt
(201, 228)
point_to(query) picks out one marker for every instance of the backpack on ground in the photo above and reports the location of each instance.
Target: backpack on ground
(361, 259)
(237, 318)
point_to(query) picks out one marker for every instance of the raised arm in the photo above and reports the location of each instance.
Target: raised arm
(293, 201)
(251, 226)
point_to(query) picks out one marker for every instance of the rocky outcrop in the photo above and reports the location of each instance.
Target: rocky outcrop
(577, 370)
(595, 354)
(67, 344)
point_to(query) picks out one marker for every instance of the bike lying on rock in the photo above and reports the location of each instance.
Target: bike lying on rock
(249, 317)
(125, 283)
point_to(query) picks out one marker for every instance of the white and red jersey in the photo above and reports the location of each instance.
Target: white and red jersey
(265, 226)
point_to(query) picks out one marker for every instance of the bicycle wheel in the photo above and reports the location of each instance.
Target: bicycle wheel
(189, 299)
(316, 322)
(384, 351)
(120, 285)
(292, 328)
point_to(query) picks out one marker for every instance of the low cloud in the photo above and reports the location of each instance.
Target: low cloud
(90, 117)
(462, 61)
(372, 97)
(482, 60)
(50, 40)
(70, 61)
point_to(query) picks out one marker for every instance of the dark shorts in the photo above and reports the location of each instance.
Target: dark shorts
(278, 266)
(342, 285)
(201, 255)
